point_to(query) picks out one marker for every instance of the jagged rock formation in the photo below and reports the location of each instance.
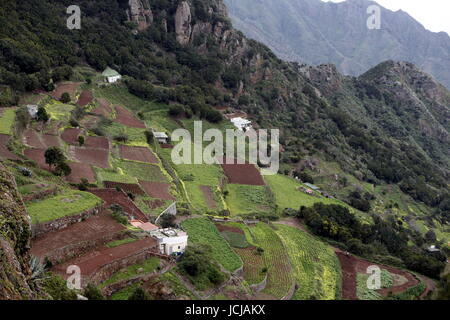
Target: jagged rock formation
(15, 235)
(140, 12)
(183, 20)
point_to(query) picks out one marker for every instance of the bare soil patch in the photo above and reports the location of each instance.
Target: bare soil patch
(153, 204)
(38, 156)
(208, 195)
(126, 117)
(112, 196)
(127, 187)
(80, 171)
(70, 135)
(140, 154)
(85, 98)
(69, 87)
(243, 174)
(158, 190)
(94, 260)
(96, 227)
(95, 157)
(50, 140)
(31, 138)
(96, 142)
(222, 227)
(103, 108)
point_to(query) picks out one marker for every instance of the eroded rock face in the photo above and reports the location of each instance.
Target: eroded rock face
(15, 233)
(183, 28)
(140, 13)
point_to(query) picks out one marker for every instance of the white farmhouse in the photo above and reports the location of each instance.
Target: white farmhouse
(161, 137)
(170, 241)
(111, 75)
(241, 123)
(32, 110)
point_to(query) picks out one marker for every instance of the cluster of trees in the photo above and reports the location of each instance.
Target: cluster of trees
(381, 238)
(56, 159)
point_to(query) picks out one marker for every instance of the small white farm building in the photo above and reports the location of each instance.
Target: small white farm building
(111, 75)
(32, 110)
(170, 241)
(161, 137)
(241, 123)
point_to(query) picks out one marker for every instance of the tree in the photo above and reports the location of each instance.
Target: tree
(42, 115)
(81, 140)
(139, 294)
(65, 97)
(54, 156)
(93, 293)
(63, 169)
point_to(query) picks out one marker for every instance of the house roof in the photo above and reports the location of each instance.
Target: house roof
(110, 72)
(148, 227)
(160, 135)
(312, 186)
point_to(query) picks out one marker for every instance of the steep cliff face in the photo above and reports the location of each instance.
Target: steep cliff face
(15, 235)
(140, 12)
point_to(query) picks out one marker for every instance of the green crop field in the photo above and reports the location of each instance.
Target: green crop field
(279, 269)
(136, 136)
(244, 199)
(7, 116)
(315, 266)
(115, 175)
(203, 231)
(236, 240)
(142, 171)
(59, 111)
(147, 266)
(253, 265)
(117, 243)
(69, 203)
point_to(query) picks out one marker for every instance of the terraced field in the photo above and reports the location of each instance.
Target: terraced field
(245, 199)
(279, 268)
(7, 116)
(202, 231)
(315, 266)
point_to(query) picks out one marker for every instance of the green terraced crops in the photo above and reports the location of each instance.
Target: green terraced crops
(69, 203)
(236, 240)
(315, 266)
(364, 293)
(245, 199)
(142, 171)
(203, 231)
(147, 266)
(7, 116)
(253, 265)
(279, 269)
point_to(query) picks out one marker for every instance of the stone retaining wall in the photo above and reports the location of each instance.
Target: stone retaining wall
(259, 286)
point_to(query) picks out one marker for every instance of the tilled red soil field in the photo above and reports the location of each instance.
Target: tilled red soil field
(127, 187)
(140, 154)
(209, 196)
(85, 98)
(127, 118)
(31, 138)
(50, 141)
(93, 228)
(103, 109)
(37, 155)
(94, 157)
(93, 261)
(112, 196)
(70, 87)
(159, 190)
(221, 227)
(70, 135)
(351, 265)
(153, 204)
(243, 174)
(79, 171)
(96, 142)
(4, 152)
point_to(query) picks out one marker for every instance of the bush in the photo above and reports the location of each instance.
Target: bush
(65, 97)
(139, 294)
(56, 287)
(93, 293)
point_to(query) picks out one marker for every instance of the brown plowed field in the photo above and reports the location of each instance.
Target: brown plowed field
(153, 204)
(103, 109)
(243, 174)
(96, 142)
(38, 156)
(221, 227)
(31, 139)
(94, 260)
(127, 187)
(112, 196)
(85, 98)
(70, 135)
(209, 196)
(127, 118)
(140, 154)
(4, 152)
(351, 265)
(93, 228)
(79, 171)
(159, 190)
(94, 157)
(50, 141)
(70, 87)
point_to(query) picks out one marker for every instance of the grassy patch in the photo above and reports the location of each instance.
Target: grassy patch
(69, 203)
(172, 281)
(364, 293)
(244, 199)
(7, 117)
(148, 266)
(142, 171)
(114, 175)
(117, 243)
(236, 240)
(203, 231)
(59, 111)
(254, 265)
(315, 266)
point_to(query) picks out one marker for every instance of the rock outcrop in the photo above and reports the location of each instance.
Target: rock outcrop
(140, 12)
(183, 18)
(15, 233)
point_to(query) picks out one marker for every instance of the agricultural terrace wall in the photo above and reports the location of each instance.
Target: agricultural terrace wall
(291, 292)
(106, 271)
(64, 222)
(257, 287)
(61, 255)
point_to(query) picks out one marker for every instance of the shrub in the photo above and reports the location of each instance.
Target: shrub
(65, 97)
(93, 293)
(139, 294)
